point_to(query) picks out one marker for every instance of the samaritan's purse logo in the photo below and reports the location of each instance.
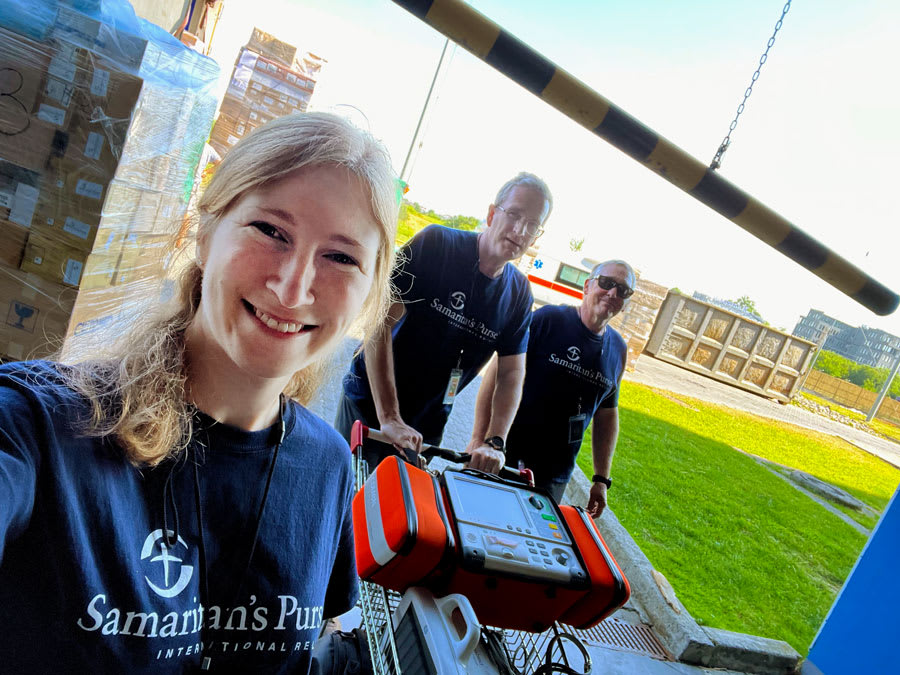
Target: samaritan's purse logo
(155, 543)
(457, 300)
(574, 353)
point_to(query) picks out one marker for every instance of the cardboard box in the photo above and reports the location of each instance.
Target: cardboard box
(143, 257)
(70, 186)
(82, 82)
(32, 147)
(271, 47)
(95, 309)
(52, 260)
(19, 193)
(100, 270)
(95, 145)
(34, 314)
(67, 222)
(130, 208)
(23, 65)
(12, 243)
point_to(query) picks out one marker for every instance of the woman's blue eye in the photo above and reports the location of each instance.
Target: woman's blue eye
(342, 258)
(268, 230)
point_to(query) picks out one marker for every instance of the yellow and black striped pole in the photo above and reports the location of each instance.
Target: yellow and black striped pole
(512, 57)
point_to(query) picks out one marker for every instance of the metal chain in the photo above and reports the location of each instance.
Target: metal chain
(717, 160)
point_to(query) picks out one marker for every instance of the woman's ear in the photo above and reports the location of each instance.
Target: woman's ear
(204, 233)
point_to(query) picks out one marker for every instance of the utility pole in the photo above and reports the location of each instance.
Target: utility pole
(884, 389)
(420, 127)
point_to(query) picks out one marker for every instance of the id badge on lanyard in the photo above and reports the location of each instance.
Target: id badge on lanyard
(576, 425)
(453, 383)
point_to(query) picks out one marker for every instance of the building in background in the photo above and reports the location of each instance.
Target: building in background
(868, 346)
(270, 79)
(730, 305)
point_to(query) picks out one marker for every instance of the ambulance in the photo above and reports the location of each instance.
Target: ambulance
(555, 281)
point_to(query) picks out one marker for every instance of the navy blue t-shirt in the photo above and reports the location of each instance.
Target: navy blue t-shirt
(86, 581)
(450, 307)
(569, 370)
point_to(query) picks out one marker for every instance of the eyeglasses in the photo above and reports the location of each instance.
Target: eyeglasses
(607, 284)
(531, 227)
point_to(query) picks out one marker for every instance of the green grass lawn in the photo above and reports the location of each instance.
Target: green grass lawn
(744, 550)
(415, 221)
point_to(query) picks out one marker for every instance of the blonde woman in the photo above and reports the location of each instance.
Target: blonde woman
(171, 506)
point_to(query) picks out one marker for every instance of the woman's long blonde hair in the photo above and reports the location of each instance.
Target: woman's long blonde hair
(137, 390)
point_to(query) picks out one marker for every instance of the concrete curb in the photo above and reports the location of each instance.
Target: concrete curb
(679, 633)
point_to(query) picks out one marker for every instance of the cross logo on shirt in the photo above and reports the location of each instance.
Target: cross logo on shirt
(154, 542)
(457, 300)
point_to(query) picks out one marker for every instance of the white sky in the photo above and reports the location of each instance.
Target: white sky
(817, 142)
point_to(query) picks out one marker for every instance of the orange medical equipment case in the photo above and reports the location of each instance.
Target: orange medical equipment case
(522, 561)
(609, 587)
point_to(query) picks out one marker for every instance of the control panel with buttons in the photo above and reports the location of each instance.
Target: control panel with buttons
(511, 529)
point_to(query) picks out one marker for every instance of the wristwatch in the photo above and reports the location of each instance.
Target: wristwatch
(602, 479)
(496, 442)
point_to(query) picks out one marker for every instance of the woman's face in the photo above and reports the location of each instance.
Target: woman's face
(286, 270)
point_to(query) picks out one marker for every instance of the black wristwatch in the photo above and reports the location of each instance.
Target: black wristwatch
(496, 442)
(602, 479)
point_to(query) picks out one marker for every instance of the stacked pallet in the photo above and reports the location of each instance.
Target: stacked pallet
(269, 80)
(102, 131)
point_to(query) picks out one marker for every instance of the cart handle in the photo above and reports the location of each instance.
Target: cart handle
(360, 432)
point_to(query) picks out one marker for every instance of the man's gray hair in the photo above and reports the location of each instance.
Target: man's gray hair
(628, 268)
(529, 180)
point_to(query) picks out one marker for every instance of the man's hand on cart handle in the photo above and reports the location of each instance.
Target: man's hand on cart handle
(401, 436)
(485, 458)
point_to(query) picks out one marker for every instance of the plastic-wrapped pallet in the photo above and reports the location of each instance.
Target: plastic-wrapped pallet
(269, 80)
(103, 117)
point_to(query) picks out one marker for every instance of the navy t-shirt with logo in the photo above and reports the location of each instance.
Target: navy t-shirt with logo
(87, 582)
(569, 370)
(454, 314)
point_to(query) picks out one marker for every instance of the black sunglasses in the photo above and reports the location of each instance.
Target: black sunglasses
(607, 283)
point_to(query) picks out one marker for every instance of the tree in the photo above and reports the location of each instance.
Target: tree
(745, 303)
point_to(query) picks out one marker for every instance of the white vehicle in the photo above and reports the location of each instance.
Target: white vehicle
(554, 281)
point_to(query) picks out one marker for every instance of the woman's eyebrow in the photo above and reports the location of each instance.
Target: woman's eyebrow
(279, 213)
(344, 239)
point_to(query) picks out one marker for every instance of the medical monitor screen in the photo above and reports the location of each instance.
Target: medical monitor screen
(487, 504)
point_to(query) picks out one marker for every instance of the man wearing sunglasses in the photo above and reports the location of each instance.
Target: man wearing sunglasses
(574, 367)
(460, 303)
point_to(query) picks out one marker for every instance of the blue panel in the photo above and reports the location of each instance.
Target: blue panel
(859, 635)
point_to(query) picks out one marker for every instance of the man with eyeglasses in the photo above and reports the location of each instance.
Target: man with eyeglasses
(574, 368)
(460, 303)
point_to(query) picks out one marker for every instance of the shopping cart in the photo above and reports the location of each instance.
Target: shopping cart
(512, 652)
